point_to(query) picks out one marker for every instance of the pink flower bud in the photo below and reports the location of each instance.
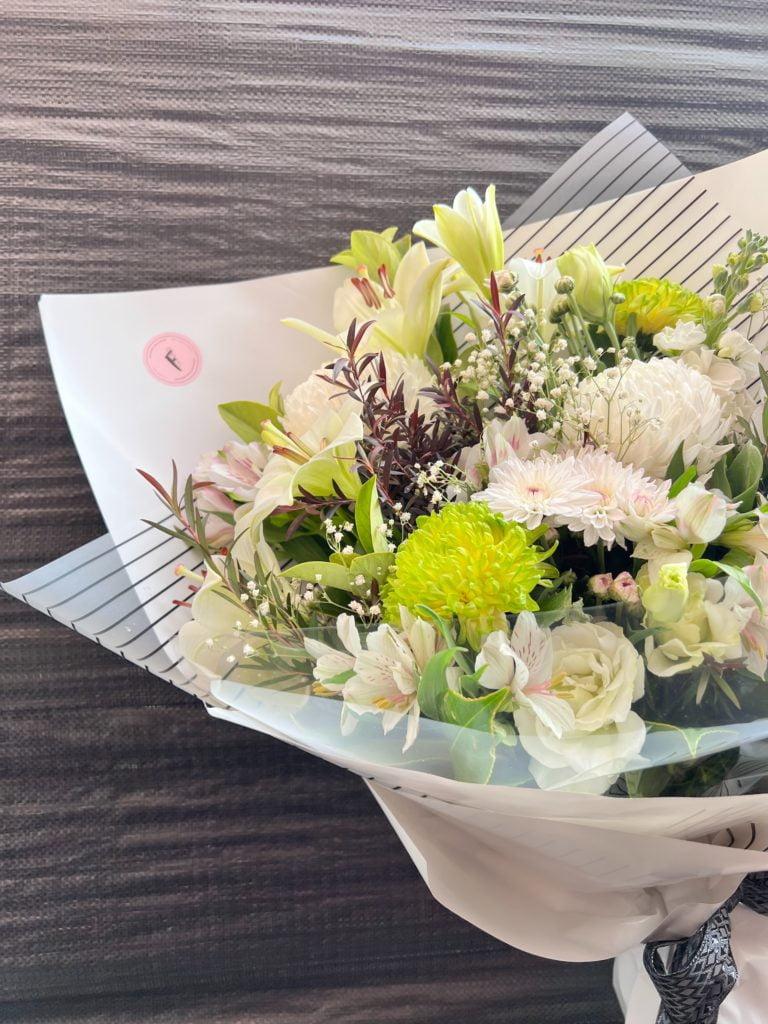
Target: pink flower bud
(601, 584)
(625, 589)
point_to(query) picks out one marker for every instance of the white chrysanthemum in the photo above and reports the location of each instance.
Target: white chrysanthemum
(625, 501)
(643, 412)
(548, 487)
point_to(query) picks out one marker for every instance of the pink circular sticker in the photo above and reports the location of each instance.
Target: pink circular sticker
(173, 358)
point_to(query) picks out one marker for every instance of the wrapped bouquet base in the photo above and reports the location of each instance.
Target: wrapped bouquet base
(499, 548)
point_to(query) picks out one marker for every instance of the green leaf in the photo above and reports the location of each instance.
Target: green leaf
(445, 337)
(473, 751)
(373, 567)
(744, 474)
(719, 478)
(246, 418)
(433, 684)
(709, 568)
(369, 521)
(685, 478)
(328, 574)
(676, 467)
(693, 738)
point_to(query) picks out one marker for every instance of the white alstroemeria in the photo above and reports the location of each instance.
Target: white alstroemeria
(387, 672)
(598, 673)
(235, 469)
(701, 514)
(469, 231)
(754, 634)
(522, 663)
(685, 336)
(403, 314)
(332, 663)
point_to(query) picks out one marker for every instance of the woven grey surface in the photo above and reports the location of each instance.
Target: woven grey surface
(156, 865)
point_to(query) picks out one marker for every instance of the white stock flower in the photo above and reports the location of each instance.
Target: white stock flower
(598, 673)
(643, 412)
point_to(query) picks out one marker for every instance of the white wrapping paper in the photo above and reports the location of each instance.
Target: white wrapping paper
(562, 876)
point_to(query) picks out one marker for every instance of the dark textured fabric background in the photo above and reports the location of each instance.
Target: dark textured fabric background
(156, 865)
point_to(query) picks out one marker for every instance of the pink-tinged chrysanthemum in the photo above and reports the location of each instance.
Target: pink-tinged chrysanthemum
(549, 488)
(623, 499)
(587, 490)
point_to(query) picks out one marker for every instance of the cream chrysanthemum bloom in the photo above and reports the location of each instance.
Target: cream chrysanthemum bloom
(644, 411)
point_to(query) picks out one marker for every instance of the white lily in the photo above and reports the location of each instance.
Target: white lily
(469, 231)
(403, 312)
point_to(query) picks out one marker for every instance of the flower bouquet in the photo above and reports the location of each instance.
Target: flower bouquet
(503, 553)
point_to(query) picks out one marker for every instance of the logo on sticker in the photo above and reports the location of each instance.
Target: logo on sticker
(173, 358)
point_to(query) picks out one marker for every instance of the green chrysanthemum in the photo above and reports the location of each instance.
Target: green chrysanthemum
(468, 562)
(656, 304)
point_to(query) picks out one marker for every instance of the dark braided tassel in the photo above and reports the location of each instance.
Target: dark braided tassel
(701, 971)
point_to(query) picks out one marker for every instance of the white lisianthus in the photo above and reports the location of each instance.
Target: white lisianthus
(707, 624)
(598, 673)
(701, 514)
(469, 231)
(593, 278)
(214, 638)
(754, 634)
(644, 411)
(685, 336)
